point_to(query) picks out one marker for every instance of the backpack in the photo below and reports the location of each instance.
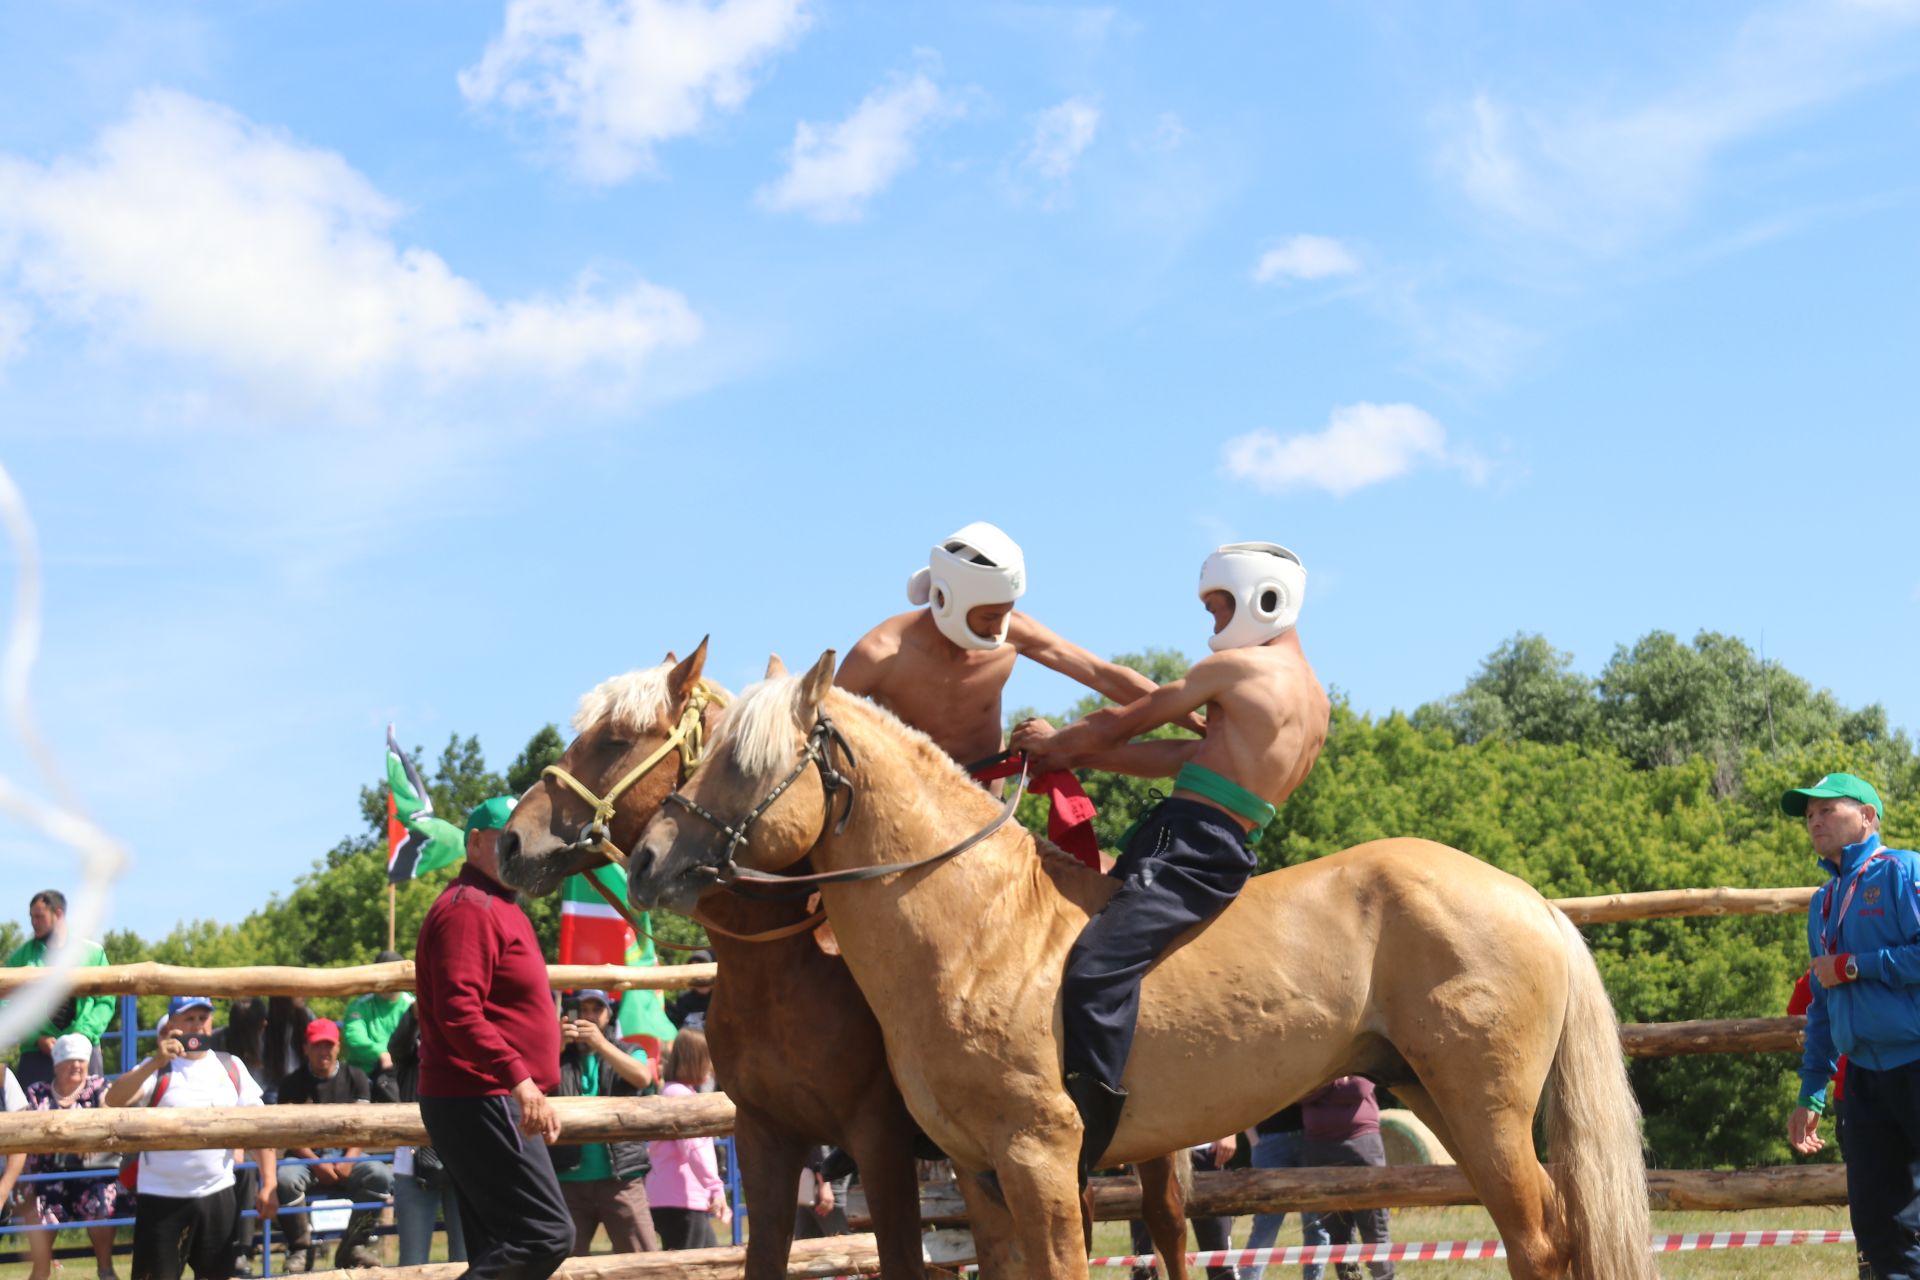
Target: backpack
(130, 1166)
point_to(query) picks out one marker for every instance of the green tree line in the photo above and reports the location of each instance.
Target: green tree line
(1664, 772)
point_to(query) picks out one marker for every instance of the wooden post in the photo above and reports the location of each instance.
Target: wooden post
(380, 1127)
(149, 979)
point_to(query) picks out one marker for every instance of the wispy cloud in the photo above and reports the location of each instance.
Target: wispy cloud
(190, 230)
(1060, 135)
(1305, 258)
(617, 77)
(1605, 176)
(1361, 445)
(834, 170)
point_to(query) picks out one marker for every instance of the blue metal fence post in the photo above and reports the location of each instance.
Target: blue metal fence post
(129, 1033)
(733, 1188)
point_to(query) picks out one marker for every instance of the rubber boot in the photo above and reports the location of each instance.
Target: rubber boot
(1100, 1105)
(355, 1244)
(297, 1235)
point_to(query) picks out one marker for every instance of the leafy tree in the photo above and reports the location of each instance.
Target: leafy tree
(1525, 689)
(544, 748)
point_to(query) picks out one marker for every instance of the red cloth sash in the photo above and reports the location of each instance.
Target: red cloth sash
(1070, 812)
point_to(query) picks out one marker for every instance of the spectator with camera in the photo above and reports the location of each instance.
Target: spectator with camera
(83, 1199)
(323, 1078)
(605, 1183)
(186, 1207)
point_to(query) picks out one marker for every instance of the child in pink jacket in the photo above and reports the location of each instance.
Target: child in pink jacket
(684, 1191)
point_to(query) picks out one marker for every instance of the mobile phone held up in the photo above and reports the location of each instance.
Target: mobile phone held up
(194, 1044)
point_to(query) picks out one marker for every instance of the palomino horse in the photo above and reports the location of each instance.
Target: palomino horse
(1426, 969)
(794, 1044)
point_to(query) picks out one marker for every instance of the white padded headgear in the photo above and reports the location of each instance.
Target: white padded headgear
(976, 565)
(1267, 583)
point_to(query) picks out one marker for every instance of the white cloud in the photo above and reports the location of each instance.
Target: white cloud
(1060, 134)
(1305, 258)
(190, 230)
(1603, 177)
(619, 76)
(1362, 444)
(834, 170)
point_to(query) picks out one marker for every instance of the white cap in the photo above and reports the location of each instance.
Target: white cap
(976, 565)
(71, 1047)
(1267, 583)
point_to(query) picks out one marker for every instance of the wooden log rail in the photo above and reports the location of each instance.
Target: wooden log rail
(1328, 1190)
(1712, 1035)
(835, 1256)
(150, 979)
(1236, 1192)
(338, 1125)
(1668, 904)
(596, 1119)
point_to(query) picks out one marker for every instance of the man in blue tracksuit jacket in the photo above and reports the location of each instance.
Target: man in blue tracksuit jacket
(1864, 931)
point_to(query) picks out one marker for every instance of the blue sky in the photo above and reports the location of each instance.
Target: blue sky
(431, 361)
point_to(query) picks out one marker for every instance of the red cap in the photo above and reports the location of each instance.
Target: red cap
(323, 1029)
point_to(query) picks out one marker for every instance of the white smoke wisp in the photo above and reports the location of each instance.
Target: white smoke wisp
(61, 819)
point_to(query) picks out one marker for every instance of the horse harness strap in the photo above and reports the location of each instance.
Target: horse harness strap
(688, 738)
(818, 753)
(640, 929)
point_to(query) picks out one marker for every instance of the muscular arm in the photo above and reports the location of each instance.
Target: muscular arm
(1156, 758)
(1120, 684)
(1108, 728)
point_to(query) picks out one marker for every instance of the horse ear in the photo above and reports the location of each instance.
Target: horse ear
(682, 677)
(775, 667)
(814, 685)
(671, 657)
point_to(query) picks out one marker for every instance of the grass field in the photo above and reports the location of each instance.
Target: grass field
(1816, 1262)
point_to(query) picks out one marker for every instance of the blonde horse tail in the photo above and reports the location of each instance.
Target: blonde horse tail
(1593, 1132)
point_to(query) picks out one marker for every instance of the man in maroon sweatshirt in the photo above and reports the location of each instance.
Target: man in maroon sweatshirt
(489, 1052)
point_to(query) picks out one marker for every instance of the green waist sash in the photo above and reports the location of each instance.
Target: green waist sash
(1228, 794)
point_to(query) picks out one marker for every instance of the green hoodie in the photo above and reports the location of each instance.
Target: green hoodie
(89, 1015)
(368, 1025)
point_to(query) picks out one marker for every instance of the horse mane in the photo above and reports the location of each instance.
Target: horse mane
(635, 701)
(761, 725)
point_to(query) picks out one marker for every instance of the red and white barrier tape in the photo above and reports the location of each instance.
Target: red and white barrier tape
(1466, 1250)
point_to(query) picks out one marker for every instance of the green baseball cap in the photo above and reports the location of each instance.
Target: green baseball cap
(1832, 787)
(490, 815)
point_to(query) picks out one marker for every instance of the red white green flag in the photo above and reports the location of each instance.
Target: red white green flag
(592, 932)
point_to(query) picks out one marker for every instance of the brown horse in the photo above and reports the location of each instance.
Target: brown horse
(794, 1044)
(1454, 983)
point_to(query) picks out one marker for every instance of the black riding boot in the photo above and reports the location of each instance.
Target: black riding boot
(1100, 1105)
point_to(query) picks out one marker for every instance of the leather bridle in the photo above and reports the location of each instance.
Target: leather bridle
(688, 738)
(819, 753)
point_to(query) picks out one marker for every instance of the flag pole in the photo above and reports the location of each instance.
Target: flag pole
(390, 898)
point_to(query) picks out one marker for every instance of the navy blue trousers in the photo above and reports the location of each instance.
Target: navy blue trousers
(1183, 866)
(1882, 1111)
(511, 1210)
